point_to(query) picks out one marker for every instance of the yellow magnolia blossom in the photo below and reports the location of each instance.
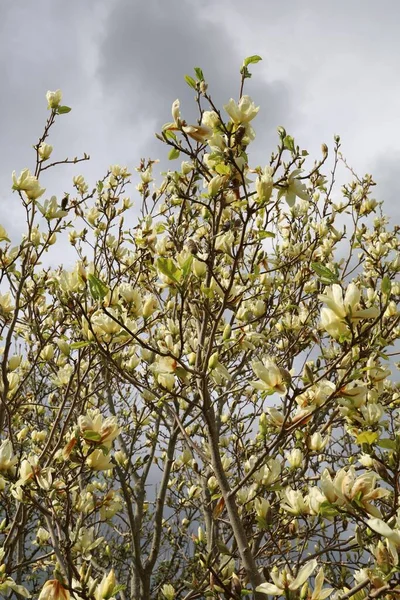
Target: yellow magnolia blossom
(242, 112)
(54, 590)
(272, 378)
(54, 98)
(98, 461)
(7, 458)
(27, 183)
(96, 430)
(340, 307)
(105, 587)
(346, 488)
(285, 582)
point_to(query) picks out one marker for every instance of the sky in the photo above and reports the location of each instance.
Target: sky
(328, 68)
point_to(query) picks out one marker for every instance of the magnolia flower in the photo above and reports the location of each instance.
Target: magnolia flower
(54, 590)
(272, 377)
(372, 413)
(264, 185)
(320, 593)
(295, 188)
(42, 536)
(104, 326)
(353, 394)
(164, 370)
(44, 151)
(316, 395)
(295, 458)
(392, 536)
(3, 235)
(294, 503)
(210, 119)
(314, 499)
(86, 541)
(269, 473)
(8, 584)
(7, 460)
(27, 183)
(244, 112)
(95, 430)
(284, 581)
(168, 591)
(376, 374)
(99, 461)
(347, 488)
(54, 98)
(262, 508)
(317, 442)
(110, 505)
(176, 113)
(106, 586)
(340, 307)
(150, 305)
(215, 184)
(200, 133)
(51, 210)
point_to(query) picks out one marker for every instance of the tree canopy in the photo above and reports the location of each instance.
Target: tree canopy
(205, 406)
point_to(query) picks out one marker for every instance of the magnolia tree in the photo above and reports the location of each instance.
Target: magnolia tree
(203, 407)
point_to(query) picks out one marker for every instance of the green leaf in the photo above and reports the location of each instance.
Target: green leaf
(98, 289)
(78, 345)
(386, 285)
(92, 436)
(190, 81)
(186, 267)
(169, 268)
(223, 548)
(262, 235)
(251, 60)
(169, 134)
(387, 443)
(199, 73)
(173, 153)
(367, 437)
(324, 273)
(118, 588)
(327, 510)
(63, 110)
(288, 142)
(222, 169)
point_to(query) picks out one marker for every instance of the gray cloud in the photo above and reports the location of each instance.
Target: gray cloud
(326, 69)
(386, 175)
(149, 47)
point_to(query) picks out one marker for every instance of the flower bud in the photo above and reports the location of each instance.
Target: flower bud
(44, 151)
(213, 361)
(14, 362)
(54, 99)
(149, 306)
(199, 268)
(227, 332)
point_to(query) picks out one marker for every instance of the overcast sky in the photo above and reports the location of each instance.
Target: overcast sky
(328, 67)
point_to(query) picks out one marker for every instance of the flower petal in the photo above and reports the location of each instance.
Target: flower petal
(304, 574)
